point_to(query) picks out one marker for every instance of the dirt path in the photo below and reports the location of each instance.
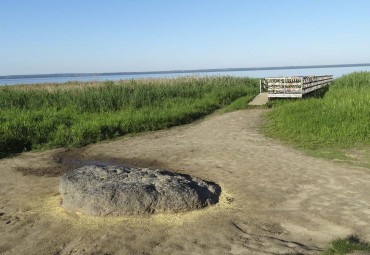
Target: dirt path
(274, 199)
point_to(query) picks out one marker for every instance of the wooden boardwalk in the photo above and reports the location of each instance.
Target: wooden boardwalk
(293, 87)
(260, 99)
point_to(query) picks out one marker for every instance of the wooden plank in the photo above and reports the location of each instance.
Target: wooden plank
(284, 96)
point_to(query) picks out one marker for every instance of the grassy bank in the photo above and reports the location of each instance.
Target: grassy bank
(338, 120)
(77, 114)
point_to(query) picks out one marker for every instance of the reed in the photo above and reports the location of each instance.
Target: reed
(76, 114)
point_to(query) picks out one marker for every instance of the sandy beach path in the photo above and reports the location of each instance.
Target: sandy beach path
(274, 199)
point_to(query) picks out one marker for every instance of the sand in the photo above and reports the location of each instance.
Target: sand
(274, 198)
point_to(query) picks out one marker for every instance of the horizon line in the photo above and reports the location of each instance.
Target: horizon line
(15, 76)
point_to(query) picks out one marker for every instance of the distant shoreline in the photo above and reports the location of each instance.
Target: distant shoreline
(178, 71)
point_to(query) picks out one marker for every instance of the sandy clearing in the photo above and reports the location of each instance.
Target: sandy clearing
(274, 199)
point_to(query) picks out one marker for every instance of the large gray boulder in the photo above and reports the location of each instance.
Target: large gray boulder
(117, 191)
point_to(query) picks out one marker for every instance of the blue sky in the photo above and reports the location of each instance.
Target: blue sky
(54, 36)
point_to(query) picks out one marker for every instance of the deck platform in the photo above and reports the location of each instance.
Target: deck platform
(293, 87)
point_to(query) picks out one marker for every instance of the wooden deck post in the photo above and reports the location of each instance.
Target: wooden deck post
(260, 85)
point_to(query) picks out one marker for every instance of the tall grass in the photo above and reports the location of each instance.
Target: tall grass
(77, 114)
(340, 119)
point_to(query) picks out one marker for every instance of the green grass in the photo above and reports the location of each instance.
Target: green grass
(340, 119)
(76, 114)
(239, 104)
(346, 246)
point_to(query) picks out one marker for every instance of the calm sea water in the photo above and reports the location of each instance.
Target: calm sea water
(336, 71)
